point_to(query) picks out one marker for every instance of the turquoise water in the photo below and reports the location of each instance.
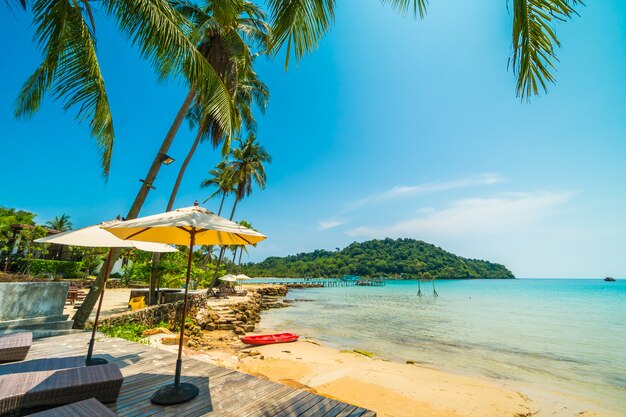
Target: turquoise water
(567, 335)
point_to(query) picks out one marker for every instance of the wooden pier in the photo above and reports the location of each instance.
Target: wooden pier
(323, 282)
(223, 392)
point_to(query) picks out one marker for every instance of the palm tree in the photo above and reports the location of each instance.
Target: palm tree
(222, 179)
(70, 70)
(245, 90)
(247, 168)
(62, 224)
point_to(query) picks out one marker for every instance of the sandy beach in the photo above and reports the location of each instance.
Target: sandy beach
(391, 389)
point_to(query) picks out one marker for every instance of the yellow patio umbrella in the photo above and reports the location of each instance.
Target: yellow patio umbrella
(96, 237)
(186, 226)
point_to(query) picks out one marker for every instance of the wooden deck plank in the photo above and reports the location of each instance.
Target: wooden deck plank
(269, 409)
(293, 409)
(223, 392)
(338, 408)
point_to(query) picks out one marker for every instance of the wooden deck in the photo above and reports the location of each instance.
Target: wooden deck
(223, 391)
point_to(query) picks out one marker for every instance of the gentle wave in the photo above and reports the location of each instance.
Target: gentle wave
(564, 334)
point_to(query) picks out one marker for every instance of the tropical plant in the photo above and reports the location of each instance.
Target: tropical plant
(62, 224)
(70, 70)
(222, 179)
(248, 168)
(245, 90)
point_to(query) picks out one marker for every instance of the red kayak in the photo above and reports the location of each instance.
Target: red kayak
(268, 339)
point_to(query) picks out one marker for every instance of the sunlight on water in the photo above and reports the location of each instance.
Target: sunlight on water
(568, 335)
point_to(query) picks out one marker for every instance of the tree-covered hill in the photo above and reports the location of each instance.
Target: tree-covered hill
(401, 258)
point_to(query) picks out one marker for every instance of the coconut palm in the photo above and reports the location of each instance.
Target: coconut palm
(70, 70)
(222, 32)
(244, 91)
(62, 224)
(222, 179)
(248, 168)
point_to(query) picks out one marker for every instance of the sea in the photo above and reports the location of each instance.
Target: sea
(565, 335)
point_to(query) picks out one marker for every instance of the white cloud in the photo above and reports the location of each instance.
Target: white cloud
(329, 224)
(397, 191)
(511, 212)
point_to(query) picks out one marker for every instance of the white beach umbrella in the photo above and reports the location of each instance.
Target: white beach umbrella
(242, 277)
(228, 278)
(96, 237)
(186, 226)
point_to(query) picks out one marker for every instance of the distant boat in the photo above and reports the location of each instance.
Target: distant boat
(609, 279)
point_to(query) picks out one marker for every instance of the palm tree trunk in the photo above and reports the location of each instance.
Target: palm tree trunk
(207, 258)
(219, 212)
(83, 312)
(183, 167)
(156, 257)
(222, 250)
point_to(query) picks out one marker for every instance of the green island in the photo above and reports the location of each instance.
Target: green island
(390, 258)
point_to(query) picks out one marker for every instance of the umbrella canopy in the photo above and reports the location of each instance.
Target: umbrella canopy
(228, 278)
(176, 226)
(187, 226)
(242, 277)
(97, 237)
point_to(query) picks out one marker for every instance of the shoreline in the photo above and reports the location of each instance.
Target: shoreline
(392, 389)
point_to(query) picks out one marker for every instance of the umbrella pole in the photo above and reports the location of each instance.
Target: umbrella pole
(177, 393)
(89, 361)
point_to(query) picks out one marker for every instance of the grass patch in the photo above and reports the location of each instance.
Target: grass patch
(128, 331)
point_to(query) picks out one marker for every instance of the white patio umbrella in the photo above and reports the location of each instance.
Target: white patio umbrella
(96, 237)
(242, 277)
(186, 226)
(228, 278)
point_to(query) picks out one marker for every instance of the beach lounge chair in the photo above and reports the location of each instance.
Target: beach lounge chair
(44, 364)
(86, 408)
(15, 346)
(218, 292)
(48, 388)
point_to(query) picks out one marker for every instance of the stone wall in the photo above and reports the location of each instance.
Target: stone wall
(240, 317)
(27, 300)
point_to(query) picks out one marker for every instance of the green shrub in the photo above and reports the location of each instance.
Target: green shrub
(129, 331)
(69, 269)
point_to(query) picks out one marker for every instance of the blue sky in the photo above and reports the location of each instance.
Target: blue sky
(393, 127)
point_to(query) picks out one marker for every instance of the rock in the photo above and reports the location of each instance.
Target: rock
(254, 353)
(158, 330)
(410, 362)
(210, 327)
(248, 327)
(261, 357)
(228, 326)
(174, 340)
(239, 330)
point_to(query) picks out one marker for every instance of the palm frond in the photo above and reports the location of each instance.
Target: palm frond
(417, 7)
(534, 41)
(300, 24)
(70, 66)
(161, 35)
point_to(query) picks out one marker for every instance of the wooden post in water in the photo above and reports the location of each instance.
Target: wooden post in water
(419, 288)
(434, 290)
